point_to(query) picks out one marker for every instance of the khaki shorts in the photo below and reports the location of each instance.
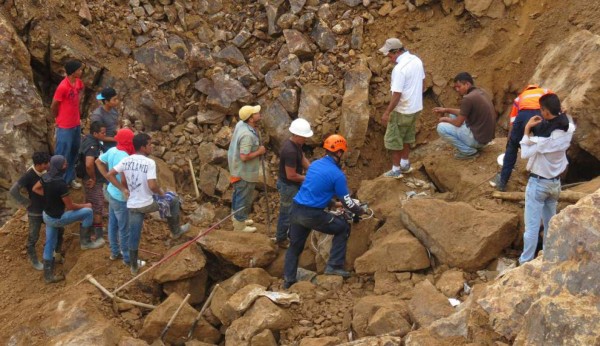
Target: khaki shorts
(400, 130)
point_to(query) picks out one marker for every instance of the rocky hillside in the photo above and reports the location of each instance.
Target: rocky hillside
(183, 69)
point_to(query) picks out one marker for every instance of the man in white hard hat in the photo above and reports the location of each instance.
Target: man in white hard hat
(292, 165)
(243, 158)
(405, 105)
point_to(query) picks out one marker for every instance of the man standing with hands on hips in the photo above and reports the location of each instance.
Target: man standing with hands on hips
(404, 107)
(243, 158)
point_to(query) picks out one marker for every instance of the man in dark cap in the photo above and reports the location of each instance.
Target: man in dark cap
(108, 115)
(65, 108)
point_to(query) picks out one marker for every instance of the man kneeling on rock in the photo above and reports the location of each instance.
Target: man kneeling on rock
(143, 191)
(323, 181)
(59, 211)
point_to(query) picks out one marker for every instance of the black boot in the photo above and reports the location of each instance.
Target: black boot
(85, 240)
(33, 258)
(99, 231)
(133, 262)
(48, 273)
(59, 256)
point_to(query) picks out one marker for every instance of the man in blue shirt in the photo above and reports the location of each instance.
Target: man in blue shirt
(323, 181)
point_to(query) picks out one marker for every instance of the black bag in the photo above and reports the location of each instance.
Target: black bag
(80, 166)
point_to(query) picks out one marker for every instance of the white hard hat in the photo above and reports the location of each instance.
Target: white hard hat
(301, 127)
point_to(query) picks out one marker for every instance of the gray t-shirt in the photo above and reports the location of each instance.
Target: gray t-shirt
(110, 119)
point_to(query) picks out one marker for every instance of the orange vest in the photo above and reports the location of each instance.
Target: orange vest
(528, 99)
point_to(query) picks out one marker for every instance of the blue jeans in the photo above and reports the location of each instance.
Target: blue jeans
(118, 227)
(243, 193)
(85, 215)
(460, 137)
(303, 220)
(286, 196)
(512, 145)
(67, 145)
(541, 197)
(136, 221)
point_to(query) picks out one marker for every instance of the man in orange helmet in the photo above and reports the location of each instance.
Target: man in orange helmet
(526, 106)
(322, 182)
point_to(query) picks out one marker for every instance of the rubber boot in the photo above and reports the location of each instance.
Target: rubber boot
(133, 262)
(240, 226)
(33, 258)
(99, 231)
(49, 276)
(180, 231)
(85, 240)
(59, 256)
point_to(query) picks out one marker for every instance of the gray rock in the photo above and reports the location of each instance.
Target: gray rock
(276, 122)
(223, 92)
(210, 153)
(274, 9)
(230, 55)
(297, 43)
(245, 76)
(161, 63)
(323, 36)
(297, 5)
(291, 65)
(352, 3)
(305, 22)
(223, 181)
(241, 38)
(153, 114)
(287, 20)
(177, 46)
(209, 176)
(260, 65)
(275, 78)
(311, 108)
(289, 100)
(210, 117)
(356, 41)
(343, 27)
(355, 106)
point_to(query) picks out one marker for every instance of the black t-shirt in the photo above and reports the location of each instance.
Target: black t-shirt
(90, 146)
(54, 191)
(28, 180)
(290, 155)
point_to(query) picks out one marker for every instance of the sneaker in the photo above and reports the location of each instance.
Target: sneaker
(497, 183)
(406, 170)
(464, 156)
(183, 229)
(75, 185)
(249, 222)
(115, 257)
(339, 272)
(393, 174)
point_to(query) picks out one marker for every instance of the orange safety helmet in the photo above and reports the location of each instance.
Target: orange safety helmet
(334, 143)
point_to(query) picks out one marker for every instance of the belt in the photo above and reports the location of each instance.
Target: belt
(533, 175)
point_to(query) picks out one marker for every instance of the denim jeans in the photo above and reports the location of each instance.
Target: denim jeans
(303, 220)
(35, 223)
(512, 145)
(67, 145)
(136, 221)
(460, 137)
(286, 196)
(118, 227)
(243, 193)
(85, 215)
(541, 197)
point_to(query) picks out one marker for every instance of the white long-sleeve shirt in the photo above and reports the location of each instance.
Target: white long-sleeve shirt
(547, 155)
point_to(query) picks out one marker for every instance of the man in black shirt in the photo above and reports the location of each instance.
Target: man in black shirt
(59, 211)
(34, 204)
(292, 164)
(91, 149)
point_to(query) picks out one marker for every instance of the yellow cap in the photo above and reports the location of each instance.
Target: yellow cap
(247, 111)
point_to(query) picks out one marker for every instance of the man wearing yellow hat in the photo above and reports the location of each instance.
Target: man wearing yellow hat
(243, 157)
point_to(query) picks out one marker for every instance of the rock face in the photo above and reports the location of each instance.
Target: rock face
(23, 127)
(569, 68)
(355, 106)
(399, 251)
(264, 314)
(156, 321)
(458, 234)
(241, 249)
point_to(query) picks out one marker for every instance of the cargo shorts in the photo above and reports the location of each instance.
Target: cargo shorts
(400, 130)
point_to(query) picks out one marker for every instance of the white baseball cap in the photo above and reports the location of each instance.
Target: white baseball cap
(391, 44)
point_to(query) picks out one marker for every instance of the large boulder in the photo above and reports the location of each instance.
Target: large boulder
(23, 124)
(195, 286)
(156, 321)
(223, 92)
(570, 69)
(383, 195)
(458, 234)
(264, 314)
(399, 251)
(276, 121)
(312, 109)
(297, 43)
(244, 250)
(188, 263)
(162, 64)
(428, 304)
(355, 106)
(366, 308)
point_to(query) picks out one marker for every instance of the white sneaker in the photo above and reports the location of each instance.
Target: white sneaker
(393, 174)
(249, 222)
(75, 185)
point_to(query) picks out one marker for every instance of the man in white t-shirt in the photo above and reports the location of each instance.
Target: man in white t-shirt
(141, 187)
(404, 107)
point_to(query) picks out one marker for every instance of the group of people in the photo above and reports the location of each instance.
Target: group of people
(113, 166)
(537, 125)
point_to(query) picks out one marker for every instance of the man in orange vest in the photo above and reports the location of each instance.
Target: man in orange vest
(525, 106)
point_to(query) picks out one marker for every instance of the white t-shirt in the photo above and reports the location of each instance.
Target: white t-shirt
(138, 169)
(407, 79)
